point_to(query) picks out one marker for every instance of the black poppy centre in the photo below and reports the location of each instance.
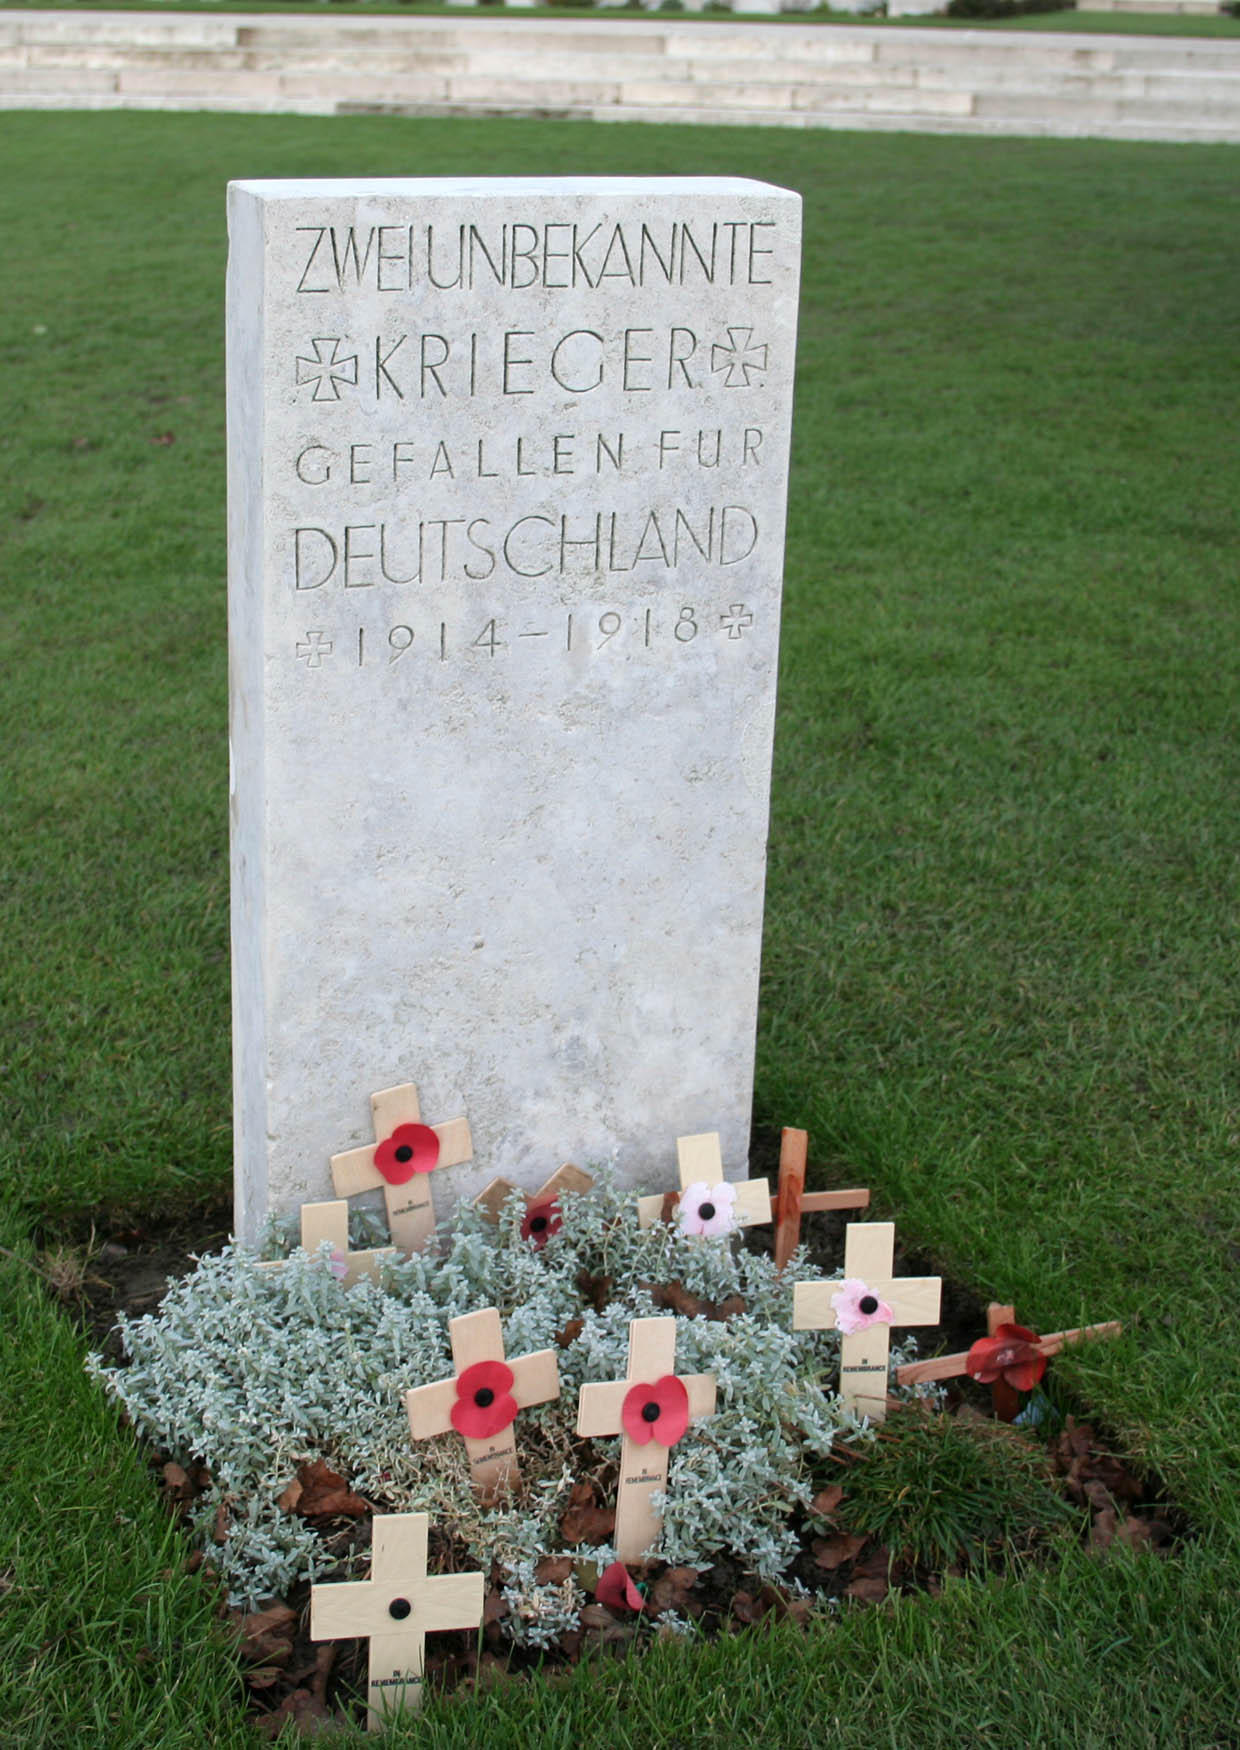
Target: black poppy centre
(484, 1397)
(400, 1608)
(706, 1211)
(868, 1304)
(538, 1224)
(651, 1412)
(404, 1154)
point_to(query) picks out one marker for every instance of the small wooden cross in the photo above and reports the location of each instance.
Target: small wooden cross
(865, 1306)
(396, 1609)
(400, 1162)
(1004, 1397)
(700, 1161)
(650, 1394)
(330, 1221)
(793, 1200)
(486, 1391)
(542, 1209)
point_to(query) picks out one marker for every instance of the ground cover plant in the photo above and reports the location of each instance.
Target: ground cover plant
(1001, 907)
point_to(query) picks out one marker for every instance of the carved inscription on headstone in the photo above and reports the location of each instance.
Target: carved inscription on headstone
(508, 465)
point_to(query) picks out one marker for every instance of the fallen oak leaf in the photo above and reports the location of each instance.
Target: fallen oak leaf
(826, 1501)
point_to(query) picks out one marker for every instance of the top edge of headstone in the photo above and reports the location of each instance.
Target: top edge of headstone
(454, 187)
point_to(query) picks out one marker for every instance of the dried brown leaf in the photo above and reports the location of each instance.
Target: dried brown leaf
(826, 1501)
(832, 1552)
(870, 1588)
(585, 1521)
(553, 1570)
(325, 1494)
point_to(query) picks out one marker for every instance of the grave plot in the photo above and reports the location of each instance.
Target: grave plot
(764, 1497)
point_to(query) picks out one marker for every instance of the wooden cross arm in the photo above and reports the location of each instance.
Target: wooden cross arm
(599, 1405)
(429, 1408)
(491, 1199)
(817, 1202)
(753, 1204)
(914, 1300)
(355, 1170)
(346, 1609)
(952, 1366)
(535, 1380)
(449, 1601)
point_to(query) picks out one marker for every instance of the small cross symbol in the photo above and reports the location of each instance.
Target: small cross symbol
(314, 650)
(740, 356)
(700, 1163)
(864, 1307)
(326, 370)
(650, 1395)
(401, 1164)
(484, 1389)
(395, 1610)
(737, 619)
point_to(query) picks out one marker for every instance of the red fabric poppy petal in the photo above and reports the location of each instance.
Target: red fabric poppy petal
(981, 1364)
(494, 1376)
(541, 1221)
(1016, 1334)
(1025, 1373)
(669, 1399)
(616, 1589)
(493, 1380)
(411, 1149)
(480, 1421)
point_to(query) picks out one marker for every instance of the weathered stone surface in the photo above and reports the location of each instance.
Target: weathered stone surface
(507, 477)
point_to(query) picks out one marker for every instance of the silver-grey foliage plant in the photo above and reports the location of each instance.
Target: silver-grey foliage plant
(254, 1372)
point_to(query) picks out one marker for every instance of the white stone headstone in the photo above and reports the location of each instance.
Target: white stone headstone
(507, 476)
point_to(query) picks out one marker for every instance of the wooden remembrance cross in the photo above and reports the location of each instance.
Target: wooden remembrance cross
(491, 1200)
(330, 1221)
(700, 1161)
(649, 1394)
(395, 1609)
(400, 1162)
(484, 1394)
(864, 1307)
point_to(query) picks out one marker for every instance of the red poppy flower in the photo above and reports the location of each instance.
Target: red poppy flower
(484, 1401)
(658, 1412)
(541, 1221)
(411, 1148)
(616, 1589)
(1012, 1354)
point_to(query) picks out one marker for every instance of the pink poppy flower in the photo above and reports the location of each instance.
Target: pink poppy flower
(411, 1148)
(658, 1412)
(541, 1221)
(708, 1209)
(616, 1589)
(1011, 1354)
(857, 1307)
(484, 1401)
(339, 1265)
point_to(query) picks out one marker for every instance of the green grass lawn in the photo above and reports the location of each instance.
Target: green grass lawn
(1107, 23)
(999, 980)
